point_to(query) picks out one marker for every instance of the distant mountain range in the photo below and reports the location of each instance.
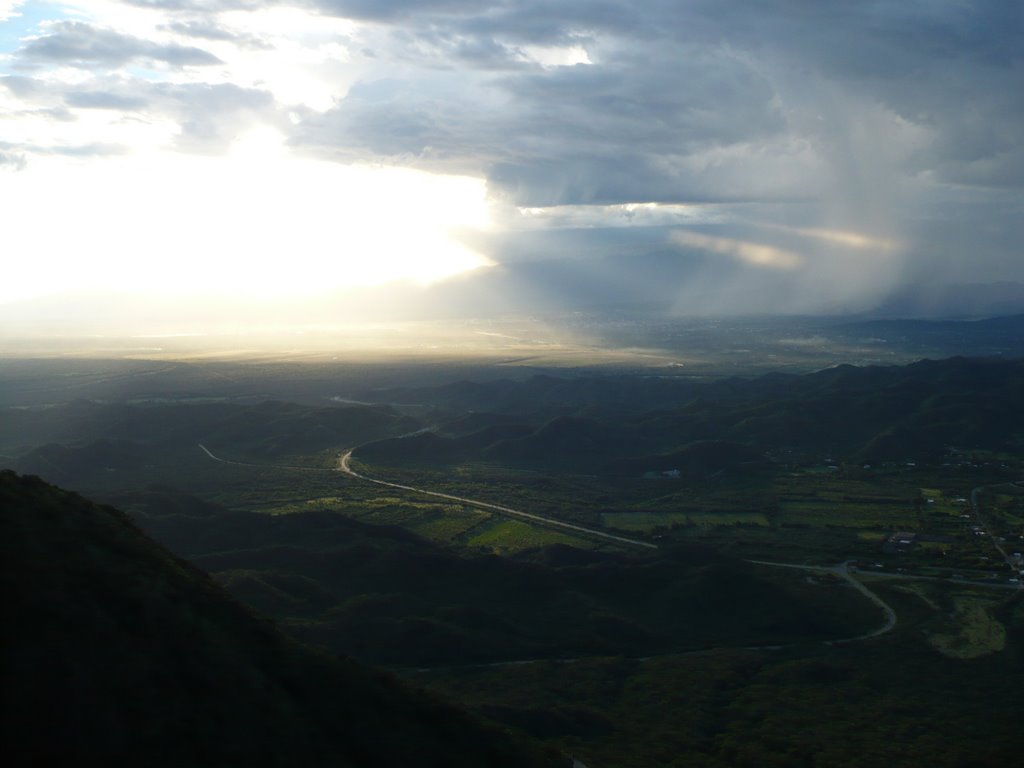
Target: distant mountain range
(627, 424)
(939, 338)
(612, 424)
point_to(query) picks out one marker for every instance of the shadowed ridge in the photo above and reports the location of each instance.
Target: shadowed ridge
(110, 645)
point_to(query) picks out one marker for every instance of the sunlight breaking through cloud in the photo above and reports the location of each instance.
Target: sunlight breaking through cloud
(844, 238)
(413, 140)
(256, 222)
(756, 254)
(623, 215)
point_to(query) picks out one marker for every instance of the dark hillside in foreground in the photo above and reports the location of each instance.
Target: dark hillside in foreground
(112, 646)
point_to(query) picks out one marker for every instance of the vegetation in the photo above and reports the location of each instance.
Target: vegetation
(688, 655)
(112, 646)
(893, 703)
(346, 585)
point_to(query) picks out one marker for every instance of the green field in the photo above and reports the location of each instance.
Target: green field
(451, 524)
(506, 536)
(647, 522)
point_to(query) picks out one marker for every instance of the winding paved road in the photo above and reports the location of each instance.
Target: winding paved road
(291, 468)
(344, 464)
(843, 570)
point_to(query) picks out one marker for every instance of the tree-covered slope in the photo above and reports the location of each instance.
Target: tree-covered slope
(112, 646)
(870, 414)
(384, 595)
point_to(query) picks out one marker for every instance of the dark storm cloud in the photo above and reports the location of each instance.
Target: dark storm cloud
(82, 45)
(673, 86)
(954, 69)
(613, 133)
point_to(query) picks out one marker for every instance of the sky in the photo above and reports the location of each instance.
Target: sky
(770, 156)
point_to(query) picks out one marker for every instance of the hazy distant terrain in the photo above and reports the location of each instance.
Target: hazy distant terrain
(350, 362)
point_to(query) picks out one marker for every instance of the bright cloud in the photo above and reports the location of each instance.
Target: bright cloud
(150, 158)
(840, 148)
(8, 8)
(755, 254)
(256, 223)
(857, 240)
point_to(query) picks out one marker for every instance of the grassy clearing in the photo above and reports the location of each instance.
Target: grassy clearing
(513, 536)
(1005, 511)
(383, 510)
(828, 499)
(480, 471)
(872, 536)
(849, 515)
(974, 631)
(451, 525)
(648, 521)
(644, 521)
(939, 504)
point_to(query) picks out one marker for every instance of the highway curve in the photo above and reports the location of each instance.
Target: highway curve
(344, 466)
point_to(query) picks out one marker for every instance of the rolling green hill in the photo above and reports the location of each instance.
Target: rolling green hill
(595, 424)
(266, 430)
(872, 414)
(384, 595)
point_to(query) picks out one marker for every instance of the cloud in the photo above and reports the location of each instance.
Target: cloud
(579, 134)
(847, 239)
(194, 117)
(830, 150)
(391, 10)
(752, 253)
(212, 116)
(204, 29)
(78, 44)
(11, 160)
(9, 8)
(198, 5)
(671, 86)
(104, 100)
